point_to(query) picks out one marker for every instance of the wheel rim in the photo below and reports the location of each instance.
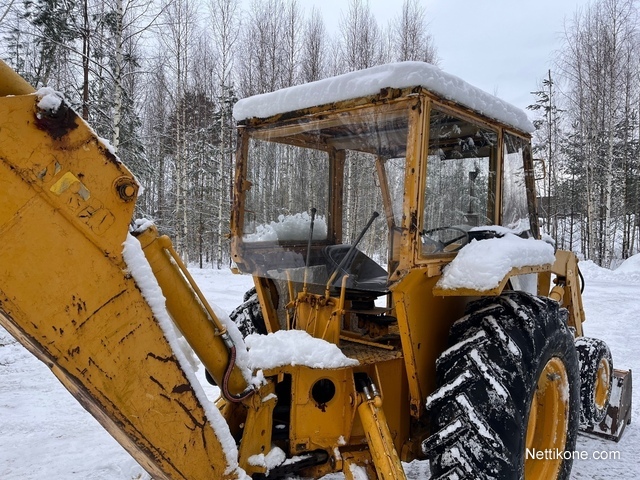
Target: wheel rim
(603, 382)
(548, 423)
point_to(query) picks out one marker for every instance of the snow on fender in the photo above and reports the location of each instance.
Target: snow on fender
(482, 264)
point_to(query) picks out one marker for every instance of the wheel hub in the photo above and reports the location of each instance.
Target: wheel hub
(603, 381)
(548, 422)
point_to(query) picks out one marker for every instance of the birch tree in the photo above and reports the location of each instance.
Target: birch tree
(179, 33)
(600, 58)
(361, 42)
(410, 38)
(225, 31)
(314, 48)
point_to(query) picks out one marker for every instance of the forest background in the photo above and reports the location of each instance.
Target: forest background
(159, 80)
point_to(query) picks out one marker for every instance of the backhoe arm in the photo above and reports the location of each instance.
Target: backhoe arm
(68, 296)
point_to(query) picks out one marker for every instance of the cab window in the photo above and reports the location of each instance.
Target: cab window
(460, 183)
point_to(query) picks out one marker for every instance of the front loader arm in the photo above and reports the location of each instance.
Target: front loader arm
(67, 295)
(567, 287)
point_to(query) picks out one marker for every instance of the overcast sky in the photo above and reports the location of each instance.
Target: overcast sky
(504, 47)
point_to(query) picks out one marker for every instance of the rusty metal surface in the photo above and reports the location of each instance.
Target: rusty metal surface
(368, 355)
(67, 296)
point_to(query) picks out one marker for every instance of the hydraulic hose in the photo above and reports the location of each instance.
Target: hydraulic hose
(581, 281)
(225, 381)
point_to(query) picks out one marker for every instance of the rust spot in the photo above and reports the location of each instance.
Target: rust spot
(185, 387)
(129, 334)
(191, 416)
(58, 123)
(92, 362)
(413, 227)
(107, 153)
(162, 359)
(151, 377)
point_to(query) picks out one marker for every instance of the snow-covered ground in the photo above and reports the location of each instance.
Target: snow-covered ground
(44, 433)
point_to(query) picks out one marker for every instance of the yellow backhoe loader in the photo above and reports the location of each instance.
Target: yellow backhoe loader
(442, 328)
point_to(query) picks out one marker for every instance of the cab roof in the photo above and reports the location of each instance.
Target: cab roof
(370, 81)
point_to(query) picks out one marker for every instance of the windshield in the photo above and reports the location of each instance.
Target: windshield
(338, 170)
(460, 184)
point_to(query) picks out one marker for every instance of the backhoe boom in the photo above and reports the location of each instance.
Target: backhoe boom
(67, 294)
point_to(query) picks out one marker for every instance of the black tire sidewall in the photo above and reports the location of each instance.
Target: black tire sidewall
(248, 315)
(590, 352)
(536, 328)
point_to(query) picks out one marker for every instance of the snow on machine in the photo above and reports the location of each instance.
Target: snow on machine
(442, 327)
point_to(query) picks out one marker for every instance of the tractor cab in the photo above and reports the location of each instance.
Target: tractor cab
(310, 182)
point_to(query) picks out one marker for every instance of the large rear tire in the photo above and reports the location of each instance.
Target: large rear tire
(507, 402)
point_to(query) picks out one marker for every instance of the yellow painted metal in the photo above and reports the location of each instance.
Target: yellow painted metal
(386, 368)
(424, 321)
(190, 312)
(319, 316)
(256, 438)
(357, 463)
(413, 202)
(11, 83)
(335, 425)
(66, 295)
(603, 383)
(557, 293)
(548, 422)
(390, 376)
(384, 455)
(566, 270)
(320, 422)
(267, 295)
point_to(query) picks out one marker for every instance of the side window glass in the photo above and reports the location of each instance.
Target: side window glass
(515, 212)
(460, 184)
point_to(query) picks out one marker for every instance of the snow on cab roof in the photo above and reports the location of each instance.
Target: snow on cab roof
(370, 81)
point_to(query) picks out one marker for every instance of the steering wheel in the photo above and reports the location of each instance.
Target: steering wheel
(439, 245)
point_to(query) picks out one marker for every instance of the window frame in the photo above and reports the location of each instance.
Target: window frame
(495, 166)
